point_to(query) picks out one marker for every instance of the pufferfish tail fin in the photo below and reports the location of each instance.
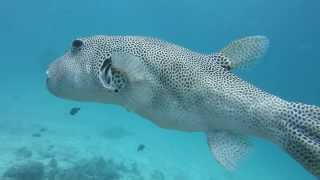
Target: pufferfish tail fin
(300, 135)
(242, 52)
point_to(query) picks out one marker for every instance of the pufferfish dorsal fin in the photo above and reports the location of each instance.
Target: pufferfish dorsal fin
(228, 148)
(242, 52)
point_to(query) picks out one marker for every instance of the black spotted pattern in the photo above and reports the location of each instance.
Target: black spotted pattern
(196, 92)
(302, 134)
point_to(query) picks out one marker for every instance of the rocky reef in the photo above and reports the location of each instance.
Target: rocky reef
(93, 169)
(31, 170)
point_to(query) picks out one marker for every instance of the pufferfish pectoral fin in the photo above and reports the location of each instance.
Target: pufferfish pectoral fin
(130, 65)
(136, 74)
(242, 52)
(120, 69)
(228, 148)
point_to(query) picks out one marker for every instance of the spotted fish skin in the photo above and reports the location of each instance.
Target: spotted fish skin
(177, 88)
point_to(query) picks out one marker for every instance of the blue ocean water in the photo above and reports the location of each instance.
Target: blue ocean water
(34, 33)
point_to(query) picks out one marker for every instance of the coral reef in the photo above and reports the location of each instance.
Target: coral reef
(31, 170)
(92, 169)
(157, 175)
(23, 153)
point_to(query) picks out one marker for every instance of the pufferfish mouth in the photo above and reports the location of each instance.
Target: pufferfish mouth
(51, 86)
(53, 78)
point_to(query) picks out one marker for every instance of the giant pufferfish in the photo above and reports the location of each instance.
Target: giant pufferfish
(180, 89)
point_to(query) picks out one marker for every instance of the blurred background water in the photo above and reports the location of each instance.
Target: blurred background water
(33, 33)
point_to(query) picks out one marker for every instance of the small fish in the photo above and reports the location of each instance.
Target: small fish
(74, 111)
(36, 135)
(43, 129)
(50, 147)
(141, 147)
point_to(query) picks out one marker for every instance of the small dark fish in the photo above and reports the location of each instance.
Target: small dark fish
(50, 147)
(74, 111)
(36, 135)
(43, 129)
(141, 147)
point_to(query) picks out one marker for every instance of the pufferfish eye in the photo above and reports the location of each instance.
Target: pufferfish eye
(77, 44)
